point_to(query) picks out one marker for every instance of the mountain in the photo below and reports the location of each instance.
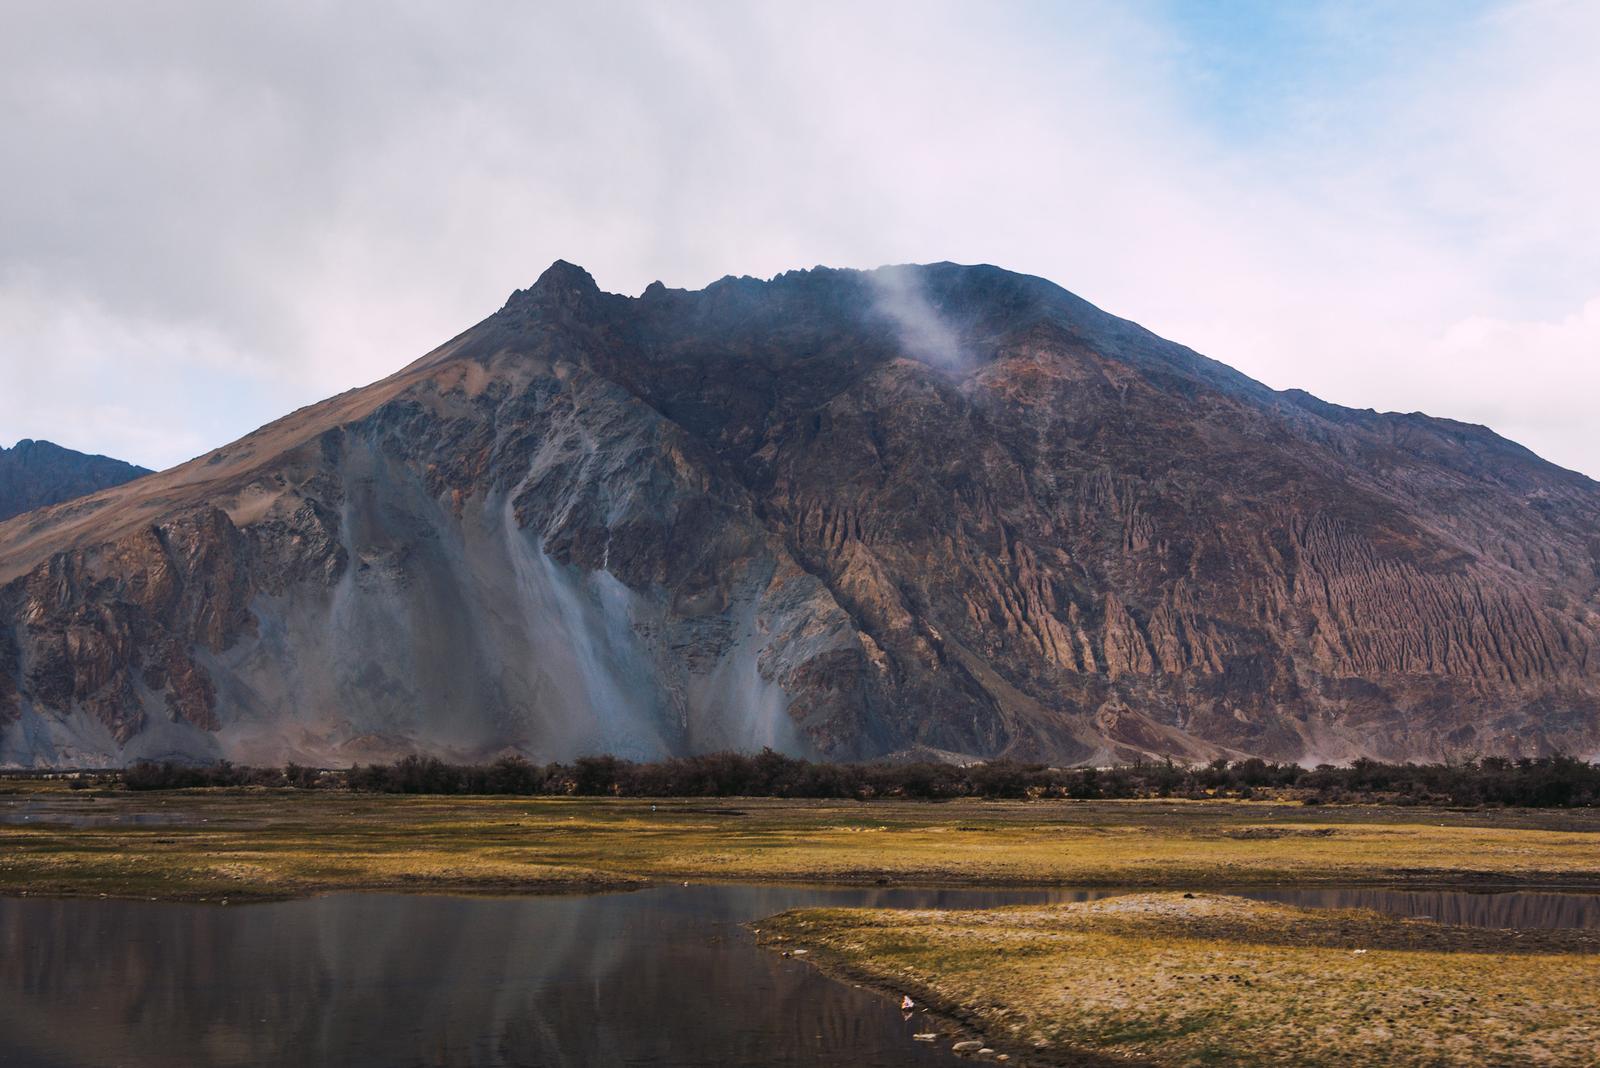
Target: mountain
(36, 473)
(942, 510)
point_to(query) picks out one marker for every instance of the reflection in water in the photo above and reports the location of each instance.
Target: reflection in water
(659, 977)
(1521, 910)
(72, 812)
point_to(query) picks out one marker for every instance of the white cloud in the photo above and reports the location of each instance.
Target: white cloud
(218, 213)
(81, 376)
(1548, 375)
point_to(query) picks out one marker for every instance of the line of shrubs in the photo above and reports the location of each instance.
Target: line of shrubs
(166, 775)
(1544, 782)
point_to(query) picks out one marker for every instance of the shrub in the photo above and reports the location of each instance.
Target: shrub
(1543, 782)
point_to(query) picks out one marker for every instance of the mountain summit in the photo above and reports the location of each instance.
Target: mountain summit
(934, 509)
(36, 473)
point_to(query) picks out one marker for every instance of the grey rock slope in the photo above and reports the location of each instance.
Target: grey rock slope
(841, 513)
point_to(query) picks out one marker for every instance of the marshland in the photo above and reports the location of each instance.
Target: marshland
(1049, 930)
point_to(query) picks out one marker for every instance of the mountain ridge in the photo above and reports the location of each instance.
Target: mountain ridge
(842, 512)
(34, 474)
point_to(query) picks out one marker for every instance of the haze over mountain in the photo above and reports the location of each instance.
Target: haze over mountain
(931, 509)
(36, 473)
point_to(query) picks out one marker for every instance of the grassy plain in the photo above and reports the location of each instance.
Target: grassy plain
(255, 843)
(1169, 979)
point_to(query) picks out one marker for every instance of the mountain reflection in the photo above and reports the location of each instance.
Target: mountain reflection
(1522, 910)
(661, 977)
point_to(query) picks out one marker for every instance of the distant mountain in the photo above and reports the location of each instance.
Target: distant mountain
(36, 473)
(944, 510)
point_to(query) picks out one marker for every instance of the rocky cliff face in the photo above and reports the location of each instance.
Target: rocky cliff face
(36, 473)
(936, 509)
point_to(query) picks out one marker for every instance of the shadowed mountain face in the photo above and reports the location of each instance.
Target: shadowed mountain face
(937, 509)
(36, 473)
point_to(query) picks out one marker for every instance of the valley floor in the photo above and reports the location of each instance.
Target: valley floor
(248, 844)
(1178, 972)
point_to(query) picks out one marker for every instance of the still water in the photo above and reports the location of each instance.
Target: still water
(662, 977)
(84, 813)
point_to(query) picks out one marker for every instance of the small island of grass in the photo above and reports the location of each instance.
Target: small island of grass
(1203, 979)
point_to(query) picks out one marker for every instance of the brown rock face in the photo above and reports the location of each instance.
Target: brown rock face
(944, 509)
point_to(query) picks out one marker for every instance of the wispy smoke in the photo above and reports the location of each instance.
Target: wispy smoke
(924, 333)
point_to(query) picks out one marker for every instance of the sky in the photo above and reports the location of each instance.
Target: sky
(215, 213)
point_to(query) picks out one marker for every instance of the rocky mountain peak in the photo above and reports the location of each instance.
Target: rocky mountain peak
(562, 288)
(842, 513)
(562, 276)
(34, 474)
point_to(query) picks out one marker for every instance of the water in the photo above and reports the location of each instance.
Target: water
(76, 812)
(1520, 910)
(663, 977)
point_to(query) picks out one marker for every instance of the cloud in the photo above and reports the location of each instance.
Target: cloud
(216, 213)
(78, 374)
(1549, 375)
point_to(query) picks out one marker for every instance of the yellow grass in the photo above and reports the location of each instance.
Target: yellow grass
(258, 842)
(1214, 979)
